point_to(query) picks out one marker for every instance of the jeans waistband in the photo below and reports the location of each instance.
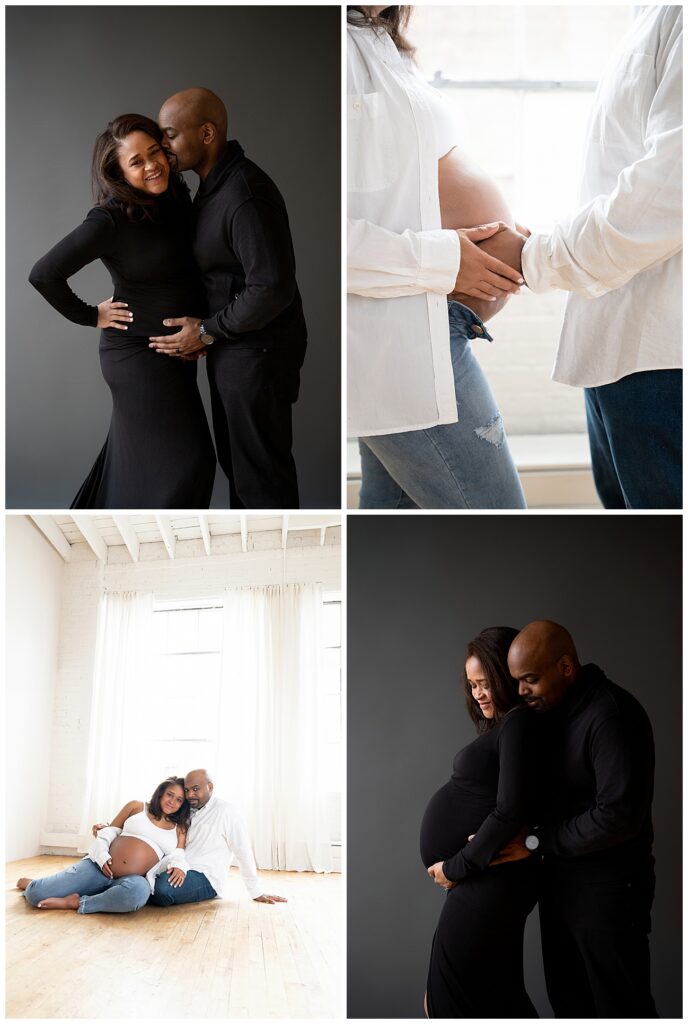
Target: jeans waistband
(464, 319)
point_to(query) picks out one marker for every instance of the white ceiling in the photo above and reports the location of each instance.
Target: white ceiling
(106, 531)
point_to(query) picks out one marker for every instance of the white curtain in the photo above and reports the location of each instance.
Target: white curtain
(270, 752)
(121, 668)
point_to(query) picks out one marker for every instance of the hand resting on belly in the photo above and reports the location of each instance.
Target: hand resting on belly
(468, 196)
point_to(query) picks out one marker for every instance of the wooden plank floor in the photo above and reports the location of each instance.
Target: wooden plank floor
(222, 958)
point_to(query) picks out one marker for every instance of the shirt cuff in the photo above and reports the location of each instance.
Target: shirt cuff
(546, 837)
(545, 269)
(440, 258)
(253, 885)
(99, 852)
(213, 328)
(536, 263)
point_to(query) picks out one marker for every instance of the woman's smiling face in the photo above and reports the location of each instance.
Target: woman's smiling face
(172, 799)
(480, 690)
(143, 163)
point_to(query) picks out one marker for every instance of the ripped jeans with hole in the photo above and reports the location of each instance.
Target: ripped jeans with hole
(456, 465)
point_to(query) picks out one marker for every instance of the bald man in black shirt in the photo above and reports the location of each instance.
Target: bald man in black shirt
(255, 332)
(595, 835)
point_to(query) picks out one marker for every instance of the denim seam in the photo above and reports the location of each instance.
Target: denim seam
(451, 471)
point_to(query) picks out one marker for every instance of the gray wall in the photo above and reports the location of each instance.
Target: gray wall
(419, 588)
(69, 71)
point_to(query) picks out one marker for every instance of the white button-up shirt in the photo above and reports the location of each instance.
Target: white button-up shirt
(401, 264)
(217, 832)
(620, 253)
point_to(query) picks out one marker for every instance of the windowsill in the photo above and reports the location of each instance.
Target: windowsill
(554, 470)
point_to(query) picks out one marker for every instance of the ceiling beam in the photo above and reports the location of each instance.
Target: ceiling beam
(128, 535)
(285, 530)
(87, 525)
(205, 532)
(244, 533)
(165, 527)
(52, 532)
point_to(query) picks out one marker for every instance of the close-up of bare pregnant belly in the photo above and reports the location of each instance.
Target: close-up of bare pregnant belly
(468, 196)
(131, 856)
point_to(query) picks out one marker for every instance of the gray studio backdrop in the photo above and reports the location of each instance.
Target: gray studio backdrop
(69, 71)
(419, 588)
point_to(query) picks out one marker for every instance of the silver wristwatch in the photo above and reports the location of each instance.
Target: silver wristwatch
(532, 842)
(206, 338)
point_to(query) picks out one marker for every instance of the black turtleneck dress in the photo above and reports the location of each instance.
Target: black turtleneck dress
(476, 963)
(158, 452)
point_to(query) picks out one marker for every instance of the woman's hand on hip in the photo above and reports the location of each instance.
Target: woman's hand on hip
(114, 314)
(107, 868)
(438, 876)
(480, 274)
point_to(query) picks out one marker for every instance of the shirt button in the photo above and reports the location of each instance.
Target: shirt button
(357, 106)
(478, 329)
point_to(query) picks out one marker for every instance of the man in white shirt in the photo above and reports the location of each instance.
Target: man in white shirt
(620, 257)
(217, 832)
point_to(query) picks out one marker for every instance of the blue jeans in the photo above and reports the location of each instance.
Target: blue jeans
(635, 430)
(457, 465)
(99, 895)
(194, 888)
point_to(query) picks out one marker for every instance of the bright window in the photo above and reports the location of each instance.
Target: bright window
(179, 713)
(521, 81)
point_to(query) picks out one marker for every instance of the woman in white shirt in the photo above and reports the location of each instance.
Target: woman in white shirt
(430, 433)
(117, 876)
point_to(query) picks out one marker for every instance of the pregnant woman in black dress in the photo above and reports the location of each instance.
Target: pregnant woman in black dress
(476, 964)
(159, 452)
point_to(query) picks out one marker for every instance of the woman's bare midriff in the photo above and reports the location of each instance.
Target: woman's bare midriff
(131, 856)
(468, 196)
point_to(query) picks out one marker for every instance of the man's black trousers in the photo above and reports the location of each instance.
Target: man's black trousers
(594, 928)
(252, 392)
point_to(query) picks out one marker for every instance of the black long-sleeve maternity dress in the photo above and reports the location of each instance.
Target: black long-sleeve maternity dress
(476, 964)
(159, 452)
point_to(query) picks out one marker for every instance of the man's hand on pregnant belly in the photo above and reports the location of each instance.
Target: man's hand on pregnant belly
(184, 342)
(482, 274)
(506, 246)
(436, 872)
(515, 849)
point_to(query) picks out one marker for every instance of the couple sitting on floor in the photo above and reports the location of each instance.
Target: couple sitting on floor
(175, 849)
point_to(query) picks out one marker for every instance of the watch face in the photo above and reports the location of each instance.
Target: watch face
(532, 842)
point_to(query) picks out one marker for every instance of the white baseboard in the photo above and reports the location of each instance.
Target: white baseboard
(67, 840)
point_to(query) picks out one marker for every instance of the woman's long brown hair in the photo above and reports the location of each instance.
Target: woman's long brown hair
(393, 21)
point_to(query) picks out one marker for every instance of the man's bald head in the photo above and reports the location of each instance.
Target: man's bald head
(194, 123)
(544, 660)
(198, 787)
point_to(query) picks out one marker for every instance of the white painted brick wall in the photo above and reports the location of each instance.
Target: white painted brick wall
(190, 575)
(518, 364)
